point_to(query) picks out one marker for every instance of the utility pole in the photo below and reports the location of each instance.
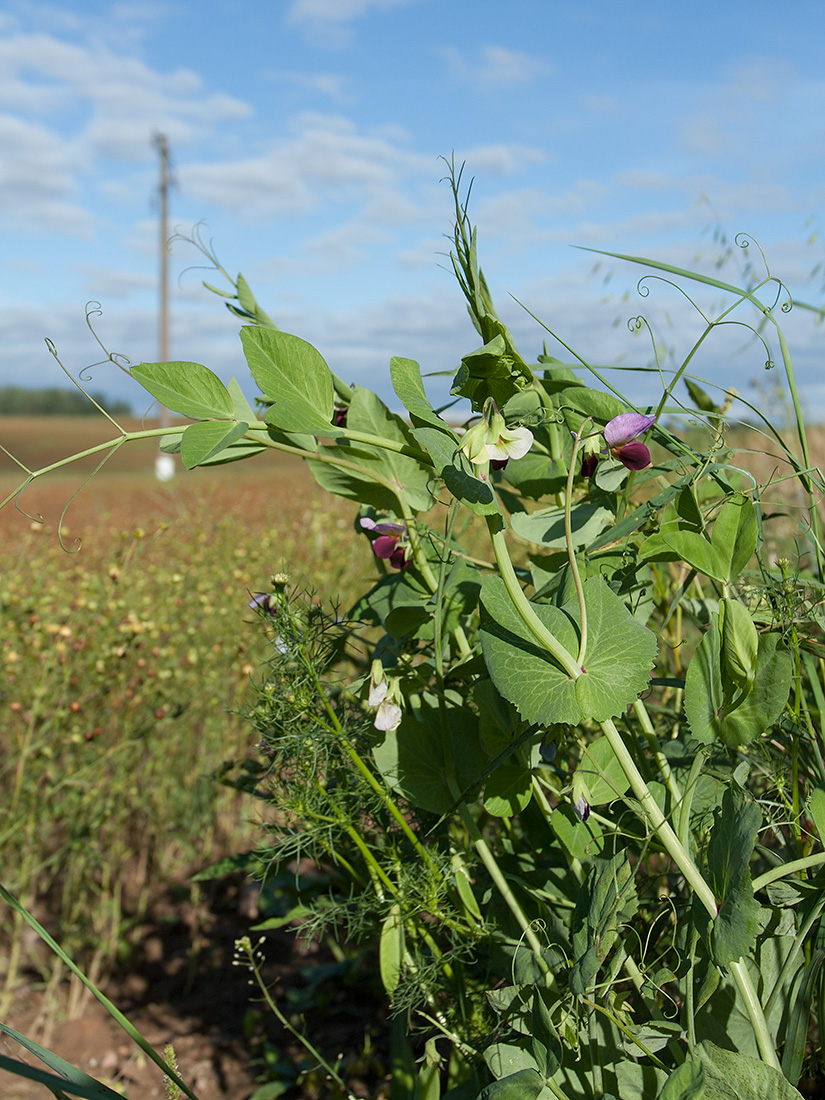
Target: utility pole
(164, 463)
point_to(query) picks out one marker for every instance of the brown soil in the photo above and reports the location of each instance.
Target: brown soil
(180, 986)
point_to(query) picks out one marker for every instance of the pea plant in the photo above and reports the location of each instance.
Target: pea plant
(562, 760)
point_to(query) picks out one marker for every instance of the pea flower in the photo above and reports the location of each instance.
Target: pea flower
(385, 695)
(388, 544)
(620, 435)
(490, 440)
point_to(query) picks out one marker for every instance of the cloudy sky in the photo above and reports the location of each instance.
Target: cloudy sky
(305, 138)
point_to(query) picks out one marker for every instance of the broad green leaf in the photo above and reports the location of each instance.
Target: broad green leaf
(706, 696)
(504, 1059)
(620, 652)
(546, 528)
(697, 552)
(735, 826)
(536, 475)
(207, 439)
(391, 949)
(735, 534)
(354, 484)
(545, 1041)
(508, 790)
(293, 375)
(687, 1082)
(415, 757)
(524, 1084)
(440, 444)
(580, 403)
(186, 388)
(477, 495)
(367, 413)
(601, 773)
(521, 670)
(816, 809)
(582, 839)
(409, 389)
(730, 1076)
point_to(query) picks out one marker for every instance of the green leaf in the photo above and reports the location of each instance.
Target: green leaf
(242, 410)
(414, 758)
(293, 375)
(505, 1059)
(696, 551)
(367, 413)
(409, 389)
(735, 827)
(545, 1040)
(582, 839)
(508, 790)
(601, 774)
(620, 652)
(440, 443)
(816, 809)
(64, 1075)
(546, 528)
(391, 949)
(186, 388)
(706, 693)
(476, 494)
(606, 903)
(730, 1076)
(735, 534)
(685, 1083)
(535, 475)
(521, 670)
(525, 1084)
(207, 439)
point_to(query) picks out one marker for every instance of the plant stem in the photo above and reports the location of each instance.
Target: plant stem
(523, 605)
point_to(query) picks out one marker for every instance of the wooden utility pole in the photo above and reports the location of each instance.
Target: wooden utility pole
(164, 464)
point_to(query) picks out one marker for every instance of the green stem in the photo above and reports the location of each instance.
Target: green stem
(568, 538)
(786, 869)
(503, 887)
(523, 605)
(656, 750)
(245, 945)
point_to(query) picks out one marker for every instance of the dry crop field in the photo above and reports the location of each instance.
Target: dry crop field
(125, 662)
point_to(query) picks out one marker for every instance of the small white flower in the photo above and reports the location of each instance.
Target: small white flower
(388, 717)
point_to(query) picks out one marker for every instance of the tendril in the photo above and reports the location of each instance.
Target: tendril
(644, 290)
(94, 309)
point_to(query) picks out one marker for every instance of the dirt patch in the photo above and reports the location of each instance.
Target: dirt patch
(181, 987)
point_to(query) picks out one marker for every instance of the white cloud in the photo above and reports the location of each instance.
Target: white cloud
(495, 67)
(327, 23)
(338, 11)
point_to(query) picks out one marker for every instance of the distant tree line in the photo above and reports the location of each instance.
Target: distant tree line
(17, 401)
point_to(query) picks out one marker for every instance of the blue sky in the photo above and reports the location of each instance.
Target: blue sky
(306, 136)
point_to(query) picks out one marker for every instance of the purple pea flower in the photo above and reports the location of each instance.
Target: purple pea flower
(620, 435)
(264, 602)
(388, 544)
(339, 416)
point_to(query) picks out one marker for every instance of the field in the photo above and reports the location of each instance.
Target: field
(126, 660)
